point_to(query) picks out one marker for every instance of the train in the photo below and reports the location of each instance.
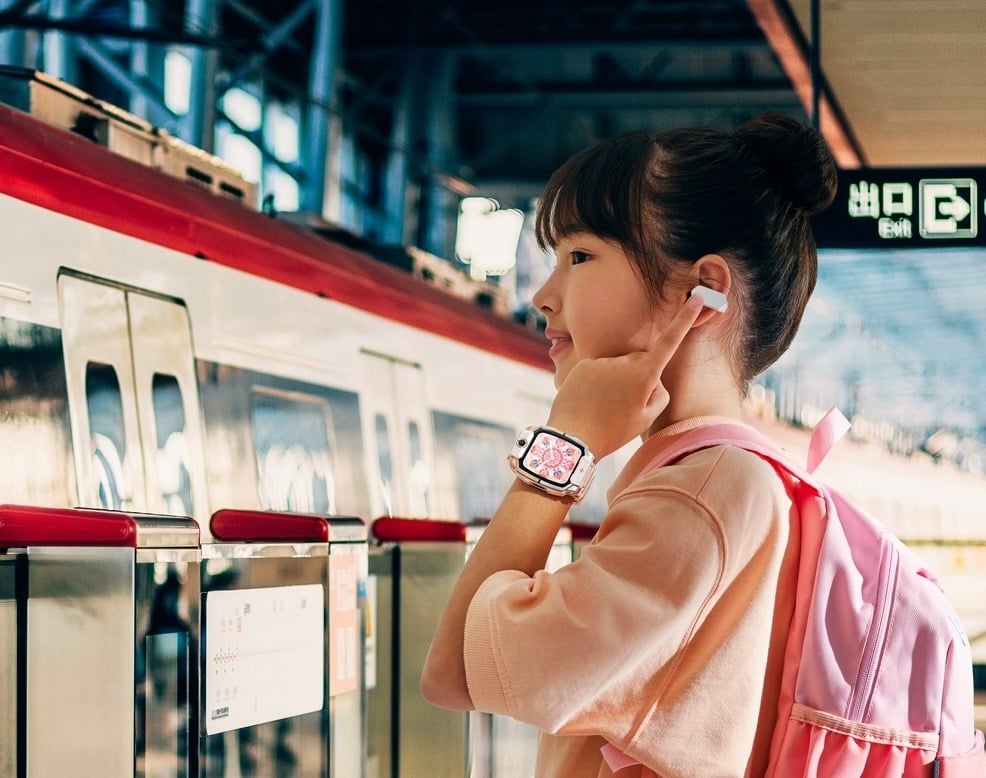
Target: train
(167, 348)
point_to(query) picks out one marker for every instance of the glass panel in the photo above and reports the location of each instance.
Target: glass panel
(418, 478)
(291, 439)
(9, 713)
(163, 740)
(163, 668)
(262, 632)
(384, 461)
(106, 429)
(471, 463)
(173, 476)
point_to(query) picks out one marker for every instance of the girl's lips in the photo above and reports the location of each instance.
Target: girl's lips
(558, 344)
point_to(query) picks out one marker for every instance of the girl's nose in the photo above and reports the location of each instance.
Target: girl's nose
(546, 299)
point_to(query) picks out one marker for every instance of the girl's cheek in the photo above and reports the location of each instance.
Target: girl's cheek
(645, 336)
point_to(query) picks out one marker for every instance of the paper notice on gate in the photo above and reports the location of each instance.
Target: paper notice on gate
(344, 637)
(265, 655)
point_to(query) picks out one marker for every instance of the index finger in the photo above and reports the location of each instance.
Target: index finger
(670, 338)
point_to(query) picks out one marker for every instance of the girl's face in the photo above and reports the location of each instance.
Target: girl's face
(595, 304)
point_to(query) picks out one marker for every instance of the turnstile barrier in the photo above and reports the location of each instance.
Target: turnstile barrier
(282, 645)
(414, 564)
(107, 680)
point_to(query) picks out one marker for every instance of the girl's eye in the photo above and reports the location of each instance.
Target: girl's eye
(578, 257)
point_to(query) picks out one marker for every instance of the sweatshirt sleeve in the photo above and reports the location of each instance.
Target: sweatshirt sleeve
(569, 648)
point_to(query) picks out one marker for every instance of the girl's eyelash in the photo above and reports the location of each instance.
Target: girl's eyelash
(578, 257)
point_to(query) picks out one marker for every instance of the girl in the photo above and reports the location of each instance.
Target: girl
(666, 638)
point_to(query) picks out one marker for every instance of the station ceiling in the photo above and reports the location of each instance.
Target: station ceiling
(906, 74)
(535, 81)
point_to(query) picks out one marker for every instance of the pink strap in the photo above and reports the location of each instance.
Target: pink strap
(825, 435)
(728, 434)
(615, 759)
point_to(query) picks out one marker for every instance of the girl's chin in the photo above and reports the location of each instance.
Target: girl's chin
(561, 373)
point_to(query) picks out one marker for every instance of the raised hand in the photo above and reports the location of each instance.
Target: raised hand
(608, 401)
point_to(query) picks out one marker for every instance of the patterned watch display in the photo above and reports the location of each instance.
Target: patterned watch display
(553, 461)
(551, 457)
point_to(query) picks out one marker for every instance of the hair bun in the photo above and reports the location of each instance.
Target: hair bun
(795, 157)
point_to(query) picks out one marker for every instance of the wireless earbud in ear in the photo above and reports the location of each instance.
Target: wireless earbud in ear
(711, 298)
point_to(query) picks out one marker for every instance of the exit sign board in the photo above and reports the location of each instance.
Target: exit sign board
(905, 208)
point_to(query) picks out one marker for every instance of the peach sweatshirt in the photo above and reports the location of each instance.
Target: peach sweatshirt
(665, 638)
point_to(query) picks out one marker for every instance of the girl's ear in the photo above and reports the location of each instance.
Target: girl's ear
(712, 271)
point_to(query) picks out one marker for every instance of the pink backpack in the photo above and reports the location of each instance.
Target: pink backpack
(878, 671)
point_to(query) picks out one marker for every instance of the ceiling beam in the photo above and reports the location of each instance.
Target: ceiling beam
(99, 29)
(502, 50)
(630, 97)
(788, 41)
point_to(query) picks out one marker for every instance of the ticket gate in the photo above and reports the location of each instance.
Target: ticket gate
(282, 646)
(413, 570)
(107, 676)
(413, 566)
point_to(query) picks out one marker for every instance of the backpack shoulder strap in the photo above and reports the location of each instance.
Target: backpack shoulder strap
(824, 435)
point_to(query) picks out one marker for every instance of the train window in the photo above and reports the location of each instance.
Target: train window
(419, 478)
(483, 479)
(292, 439)
(384, 460)
(34, 416)
(471, 464)
(173, 476)
(107, 438)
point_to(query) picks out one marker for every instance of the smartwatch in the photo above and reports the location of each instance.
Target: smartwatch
(557, 463)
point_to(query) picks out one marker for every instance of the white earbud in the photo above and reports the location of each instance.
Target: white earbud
(711, 298)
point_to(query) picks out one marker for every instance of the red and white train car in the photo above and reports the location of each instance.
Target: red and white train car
(170, 349)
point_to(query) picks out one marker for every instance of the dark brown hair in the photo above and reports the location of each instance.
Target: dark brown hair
(674, 197)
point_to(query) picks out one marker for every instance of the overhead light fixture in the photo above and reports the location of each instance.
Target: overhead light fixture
(455, 184)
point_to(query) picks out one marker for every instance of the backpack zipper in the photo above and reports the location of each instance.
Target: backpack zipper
(873, 650)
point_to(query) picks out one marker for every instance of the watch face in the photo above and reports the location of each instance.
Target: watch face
(552, 458)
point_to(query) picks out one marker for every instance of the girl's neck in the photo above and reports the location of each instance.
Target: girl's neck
(706, 388)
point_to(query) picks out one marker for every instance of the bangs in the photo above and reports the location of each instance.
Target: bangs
(599, 190)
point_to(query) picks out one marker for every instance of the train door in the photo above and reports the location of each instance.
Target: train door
(398, 429)
(133, 400)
